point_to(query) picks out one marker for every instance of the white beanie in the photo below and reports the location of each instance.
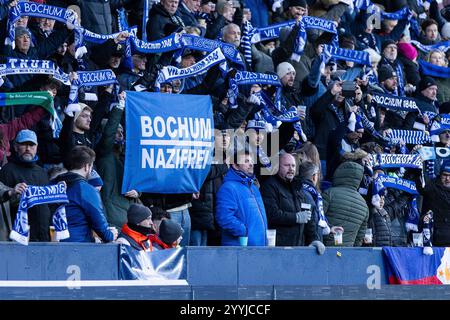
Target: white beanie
(445, 31)
(284, 68)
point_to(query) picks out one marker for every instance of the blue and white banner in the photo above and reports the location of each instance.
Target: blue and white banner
(360, 57)
(409, 136)
(16, 66)
(33, 196)
(392, 102)
(442, 46)
(413, 161)
(429, 69)
(171, 73)
(169, 142)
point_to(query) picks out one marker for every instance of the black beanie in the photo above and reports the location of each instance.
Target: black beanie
(426, 82)
(169, 231)
(138, 213)
(385, 72)
(386, 43)
(297, 3)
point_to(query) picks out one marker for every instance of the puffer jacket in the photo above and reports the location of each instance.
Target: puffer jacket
(240, 211)
(380, 222)
(344, 206)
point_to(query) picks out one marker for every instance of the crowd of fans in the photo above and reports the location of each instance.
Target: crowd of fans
(324, 183)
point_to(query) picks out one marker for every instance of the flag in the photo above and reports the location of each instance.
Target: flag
(411, 266)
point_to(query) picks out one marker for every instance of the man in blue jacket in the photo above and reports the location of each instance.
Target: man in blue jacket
(240, 209)
(85, 210)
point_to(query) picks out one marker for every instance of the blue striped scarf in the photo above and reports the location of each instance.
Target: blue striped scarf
(409, 136)
(37, 195)
(360, 57)
(432, 70)
(443, 46)
(323, 222)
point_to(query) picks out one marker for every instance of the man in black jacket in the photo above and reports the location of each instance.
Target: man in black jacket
(162, 14)
(289, 209)
(23, 170)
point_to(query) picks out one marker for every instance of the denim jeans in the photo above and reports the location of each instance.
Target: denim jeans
(199, 238)
(184, 219)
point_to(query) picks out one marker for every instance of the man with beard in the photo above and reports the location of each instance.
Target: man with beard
(110, 166)
(287, 208)
(21, 171)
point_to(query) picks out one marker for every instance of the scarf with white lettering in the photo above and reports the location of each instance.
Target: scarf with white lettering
(360, 57)
(171, 73)
(439, 124)
(91, 79)
(246, 78)
(409, 136)
(169, 43)
(37, 195)
(429, 69)
(20, 66)
(393, 102)
(413, 161)
(323, 222)
(442, 46)
(312, 23)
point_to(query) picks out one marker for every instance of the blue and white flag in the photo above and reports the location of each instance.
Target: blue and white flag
(16, 66)
(392, 102)
(427, 153)
(33, 196)
(409, 136)
(169, 142)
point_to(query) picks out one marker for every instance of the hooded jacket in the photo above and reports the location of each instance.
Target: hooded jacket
(240, 211)
(344, 206)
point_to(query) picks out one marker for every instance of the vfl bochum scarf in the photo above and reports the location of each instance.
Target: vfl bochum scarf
(171, 73)
(360, 57)
(92, 79)
(439, 124)
(392, 102)
(244, 78)
(20, 66)
(37, 195)
(442, 46)
(413, 161)
(409, 136)
(432, 70)
(323, 222)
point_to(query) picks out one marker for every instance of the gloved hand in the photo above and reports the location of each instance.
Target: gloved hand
(320, 247)
(428, 251)
(303, 216)
(277, 4)
(254, 99)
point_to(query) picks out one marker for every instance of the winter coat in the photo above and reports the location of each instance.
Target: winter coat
(127, 79)
(344, 206)
(261, 61)
(380, 223)
(443, 94)
(282, 201)
(158, 18)
(84, 211)
(425, 104)
(411, 71)
(5, 213)
(110, 166)
(39, 217)
(240, 211)
(437, 199)
(202, 210)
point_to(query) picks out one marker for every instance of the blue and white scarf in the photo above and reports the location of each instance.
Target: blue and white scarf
(439, 125)
(393, 102)
(145, 19)
(245, 78)
(37, 195)
(412, 221)
(429, 69)
(91, 79)
(16, 66)
(312, 23)
(170, 43)
(323, 222)
(442, 46)
(413, 161)
(171, 73)
(409, 136)
(202, 44)
(360, 57)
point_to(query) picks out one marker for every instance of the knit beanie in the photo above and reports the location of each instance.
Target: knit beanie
(407, 50)
(169, 231)
(137, 213)
(284, 68)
